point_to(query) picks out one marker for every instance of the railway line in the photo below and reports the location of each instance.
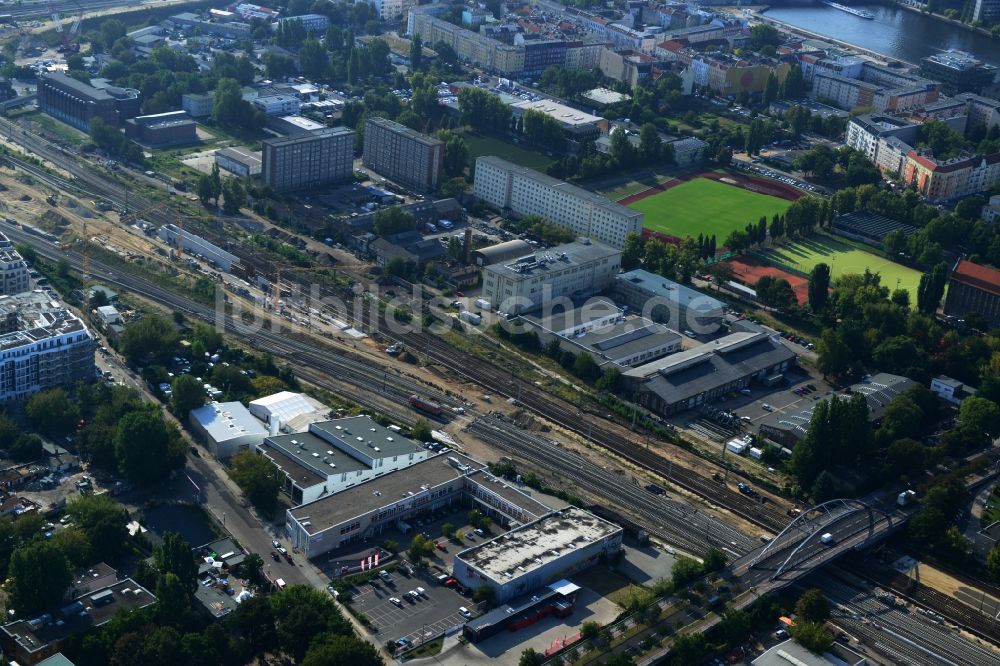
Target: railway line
(674, 522)
(589, 426)
(308, 361)
(313, 364)
(465, 365)
(889, 626)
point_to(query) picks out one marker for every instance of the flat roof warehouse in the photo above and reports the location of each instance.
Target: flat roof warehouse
(532, 546)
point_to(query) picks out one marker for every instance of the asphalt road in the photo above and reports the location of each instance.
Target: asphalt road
(208, 483)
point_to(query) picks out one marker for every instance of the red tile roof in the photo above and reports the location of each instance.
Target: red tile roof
(977, 276)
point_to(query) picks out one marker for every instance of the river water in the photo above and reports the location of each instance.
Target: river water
(896, 32)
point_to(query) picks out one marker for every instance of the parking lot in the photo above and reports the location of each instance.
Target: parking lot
(436, 610)
(749, 409)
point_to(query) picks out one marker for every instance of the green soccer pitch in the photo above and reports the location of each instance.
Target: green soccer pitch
(708, 207)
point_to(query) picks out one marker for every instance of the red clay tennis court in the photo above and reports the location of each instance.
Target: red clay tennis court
(748, 271)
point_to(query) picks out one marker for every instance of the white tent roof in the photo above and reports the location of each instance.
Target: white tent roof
(285, 406)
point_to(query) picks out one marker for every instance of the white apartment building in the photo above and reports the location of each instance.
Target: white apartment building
(573, 271)
(522, 191)
(885, 140)
(278, 105)
(43, 345)
(14, 276)
(335, 455)
(391, 10)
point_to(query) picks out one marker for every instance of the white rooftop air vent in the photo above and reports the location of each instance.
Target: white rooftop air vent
(372, 429)
(295, 442)
(329, 452)
(340, 428)
(377, 449)
(333, 465)
(389, 439)
(315, 455)
(360, 439)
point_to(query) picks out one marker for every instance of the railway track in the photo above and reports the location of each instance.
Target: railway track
(308, 362)
(89, 183)
(676, 523)
(589, 426)
(891, 627)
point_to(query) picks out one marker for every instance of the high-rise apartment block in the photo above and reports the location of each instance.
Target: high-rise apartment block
(522, 191)
(305, 161)
(405, 156)
(14, 276)
(43, 345)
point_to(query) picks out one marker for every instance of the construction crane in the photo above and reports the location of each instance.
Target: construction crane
(85, 272)
(66, 35)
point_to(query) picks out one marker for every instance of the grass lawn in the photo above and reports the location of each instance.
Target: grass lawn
(480, 144)
(428, 649)
(703, 206)
(630, 187)
(843, 259)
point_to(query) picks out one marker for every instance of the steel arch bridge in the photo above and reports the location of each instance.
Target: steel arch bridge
(813, 524)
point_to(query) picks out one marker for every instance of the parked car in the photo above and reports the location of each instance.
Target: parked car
(465, 611)
(275, 556)
(396, 600)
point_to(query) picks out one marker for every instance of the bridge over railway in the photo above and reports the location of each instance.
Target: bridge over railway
(799, 548)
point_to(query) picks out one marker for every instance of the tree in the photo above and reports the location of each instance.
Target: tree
(301, 614)
(150, 337)
(621, 149)
(421, 430)
(103, 521)
(685, 571)
(186, 394)
(416, 53)
(812, 606)
(649, 143)
(205, 189)
(231, 110)
(174, 556)
(258, 479)
(173, 600)
(589, 629)
(770, 89)
(420, 548)
(931, 288)
(819, 287)
(714, 560)
(393, 220)
(329, 650)
(147, 449)
(25, 448)
(633, 251)
(813, 636)
(530, 658)
(993, 562)
(52, 413)
(456, 154)
(735, 625)
(585, 367)
(253, 625)
(835, 357)
(762, 35)
(980, 416)
(39, 575)
(234, 196)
